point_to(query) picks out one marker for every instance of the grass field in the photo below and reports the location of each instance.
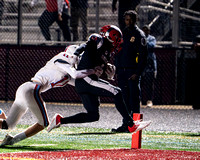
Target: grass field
(71, 138)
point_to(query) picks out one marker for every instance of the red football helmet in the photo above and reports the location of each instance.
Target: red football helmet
(114, 35)
(104, 30)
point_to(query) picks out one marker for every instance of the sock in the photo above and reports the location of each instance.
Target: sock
(18, 137)
(4, 125)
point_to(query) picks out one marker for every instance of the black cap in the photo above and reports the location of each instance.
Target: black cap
(147, 27)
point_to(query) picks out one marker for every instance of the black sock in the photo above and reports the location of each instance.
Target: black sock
(4, 125)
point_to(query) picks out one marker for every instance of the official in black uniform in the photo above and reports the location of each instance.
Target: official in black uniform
(130, 64)
(195, 79)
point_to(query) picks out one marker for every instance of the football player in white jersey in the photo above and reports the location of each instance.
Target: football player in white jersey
(57, 72)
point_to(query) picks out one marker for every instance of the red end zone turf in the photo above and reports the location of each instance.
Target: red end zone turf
(110, 154)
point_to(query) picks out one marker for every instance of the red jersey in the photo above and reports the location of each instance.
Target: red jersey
(51, 5)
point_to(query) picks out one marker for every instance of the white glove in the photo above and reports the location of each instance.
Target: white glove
(110, 71)
(98, 71)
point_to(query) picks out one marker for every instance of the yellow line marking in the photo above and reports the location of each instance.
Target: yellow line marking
(187, 107)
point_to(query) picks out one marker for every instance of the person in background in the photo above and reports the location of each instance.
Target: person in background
(150, 73)
(79, 12)
(130, 63)
(123, 6)
(195, 77)
(56, 11)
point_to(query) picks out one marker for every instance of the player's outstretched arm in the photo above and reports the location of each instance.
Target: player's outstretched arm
(73, 72)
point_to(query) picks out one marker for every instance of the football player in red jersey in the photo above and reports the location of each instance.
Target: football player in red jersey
(97, 51)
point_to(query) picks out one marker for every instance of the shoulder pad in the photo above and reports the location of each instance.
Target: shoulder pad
(96, 38)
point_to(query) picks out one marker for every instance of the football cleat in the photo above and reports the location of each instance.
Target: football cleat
(139, 125)
(7, 140)
(55, 123)
(121, 129)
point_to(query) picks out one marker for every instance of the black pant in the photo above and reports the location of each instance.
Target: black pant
(48, 18)
(76, 15)
(130, 89)
(89, 91)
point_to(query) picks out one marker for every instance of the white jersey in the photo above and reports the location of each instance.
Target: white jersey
(59, 71)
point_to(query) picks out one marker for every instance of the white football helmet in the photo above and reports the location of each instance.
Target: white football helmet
(71, 58)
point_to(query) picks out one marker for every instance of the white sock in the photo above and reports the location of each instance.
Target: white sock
(19, 137)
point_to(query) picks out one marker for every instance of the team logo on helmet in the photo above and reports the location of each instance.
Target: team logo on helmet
(114, 35)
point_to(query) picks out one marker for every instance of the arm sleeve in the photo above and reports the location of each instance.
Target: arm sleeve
(155, 62)
(151, 42)
(73, 72)
(60, 6)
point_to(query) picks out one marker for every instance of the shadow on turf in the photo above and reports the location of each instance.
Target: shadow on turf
(32, 148)
(193, 135)
(92, 133)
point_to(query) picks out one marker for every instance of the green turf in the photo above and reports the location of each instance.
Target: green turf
(70, 138)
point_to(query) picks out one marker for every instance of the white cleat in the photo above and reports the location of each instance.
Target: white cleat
(139, 125)
(7, 140)
(55, 123)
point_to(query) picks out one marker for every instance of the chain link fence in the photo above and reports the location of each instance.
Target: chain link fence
(172, 85)
(166, 26)
(19, 20)
(19, 25)
(30, 31)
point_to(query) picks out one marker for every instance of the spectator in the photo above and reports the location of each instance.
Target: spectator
(123, 6)
(56, 11)
(1, 10)
(195, 77)
(150, 73)
(130, 64)
(79, 11)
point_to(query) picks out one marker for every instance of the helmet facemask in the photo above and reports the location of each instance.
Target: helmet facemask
(114, 35)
